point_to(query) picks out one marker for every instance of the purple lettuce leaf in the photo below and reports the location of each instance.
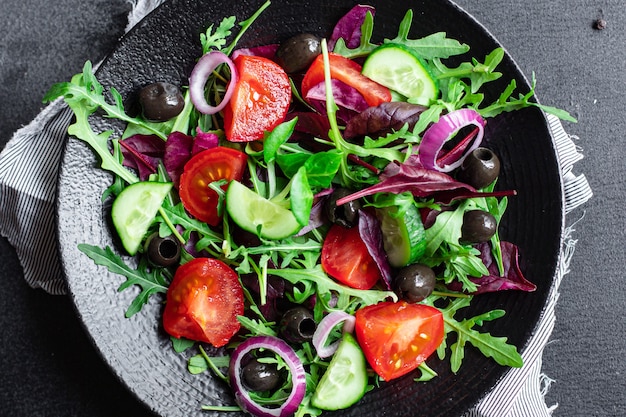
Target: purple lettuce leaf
(142, 153)
(349, 101)
(203, 141)
(512, 277)
(372, 235)
(309, 124)
(349, 27)
(275, 297)
(383, 119)
(421, 182)
(180, 148)
(265, 51)
(177, 152)
(412, 177)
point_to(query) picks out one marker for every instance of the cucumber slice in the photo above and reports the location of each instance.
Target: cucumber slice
(345, 380)
(400, 69)
(258, 215)
(404, 237)
(134, 210)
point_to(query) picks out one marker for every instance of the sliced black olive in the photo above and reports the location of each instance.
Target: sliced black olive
(480, 168)
(297, 325)
(414, 282)
(260, 376)
(346, 214)
(161, 101)
(298, 52)
(162, 251)
(478, 226)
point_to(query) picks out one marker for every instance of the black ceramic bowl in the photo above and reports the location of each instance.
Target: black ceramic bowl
(164, 47)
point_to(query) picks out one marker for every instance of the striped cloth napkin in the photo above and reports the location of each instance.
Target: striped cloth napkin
(29, 166)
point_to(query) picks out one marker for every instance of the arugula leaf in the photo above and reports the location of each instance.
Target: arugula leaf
(256, 327)
(315, 281)
(86, 94)
(245, 25)
(181, 344)
(216, 40)
(436, 45)
(151, 281)
(365, 47)
(493, 347)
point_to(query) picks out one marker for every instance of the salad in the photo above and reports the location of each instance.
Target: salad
(315, 212)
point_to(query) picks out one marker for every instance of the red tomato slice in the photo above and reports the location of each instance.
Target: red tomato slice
(346, 258)
(397, 337)
(202, 169)
(349, 72)
(203, 302)
(260, 99)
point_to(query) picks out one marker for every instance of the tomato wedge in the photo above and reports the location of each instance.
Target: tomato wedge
(348, 72)
(346, 258)
(260, 99)
(219, 163)
(397, 337)
(203, 302)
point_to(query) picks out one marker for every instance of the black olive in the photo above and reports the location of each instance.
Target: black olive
(478, 226)
(298, 52)
(260, 376)
(414, 282)
(162, 251)
(480, 168)
(346, 214)
(161, 101)
(297, 325)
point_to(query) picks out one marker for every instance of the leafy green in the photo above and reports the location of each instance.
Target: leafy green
(366, 46)
(436, 45)
(460, 86)
(151, 281)
(85, 94)
(217, 40)
(490, 346)
(314, 281)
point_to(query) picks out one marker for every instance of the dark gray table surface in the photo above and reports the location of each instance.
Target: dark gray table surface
(49, 368)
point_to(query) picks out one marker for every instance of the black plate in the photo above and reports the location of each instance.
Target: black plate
(163, 47)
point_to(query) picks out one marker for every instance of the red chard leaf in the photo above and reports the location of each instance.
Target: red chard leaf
(142, 153)
(512, 278)
(349, 26)
(383, 119)
(372, 235)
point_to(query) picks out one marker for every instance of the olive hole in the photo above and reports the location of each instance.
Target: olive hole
(307, 327)
(168, 249)
(484, 154)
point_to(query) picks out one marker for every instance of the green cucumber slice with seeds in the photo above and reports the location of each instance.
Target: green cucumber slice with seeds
(402, 70)
(345, 380)
(259, 215)
(134, 209)
(404, 237)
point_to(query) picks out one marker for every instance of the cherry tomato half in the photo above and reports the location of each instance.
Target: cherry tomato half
(260, 99)
(397, 337)
(348, 72)
(219, 163)
(203, 302)
(346, 258)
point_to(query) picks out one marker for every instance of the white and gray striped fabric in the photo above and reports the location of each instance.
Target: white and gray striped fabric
(28, 171)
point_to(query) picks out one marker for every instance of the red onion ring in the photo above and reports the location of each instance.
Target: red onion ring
(326, 326)
(444, 129)
(298, 376)
(199, 76)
